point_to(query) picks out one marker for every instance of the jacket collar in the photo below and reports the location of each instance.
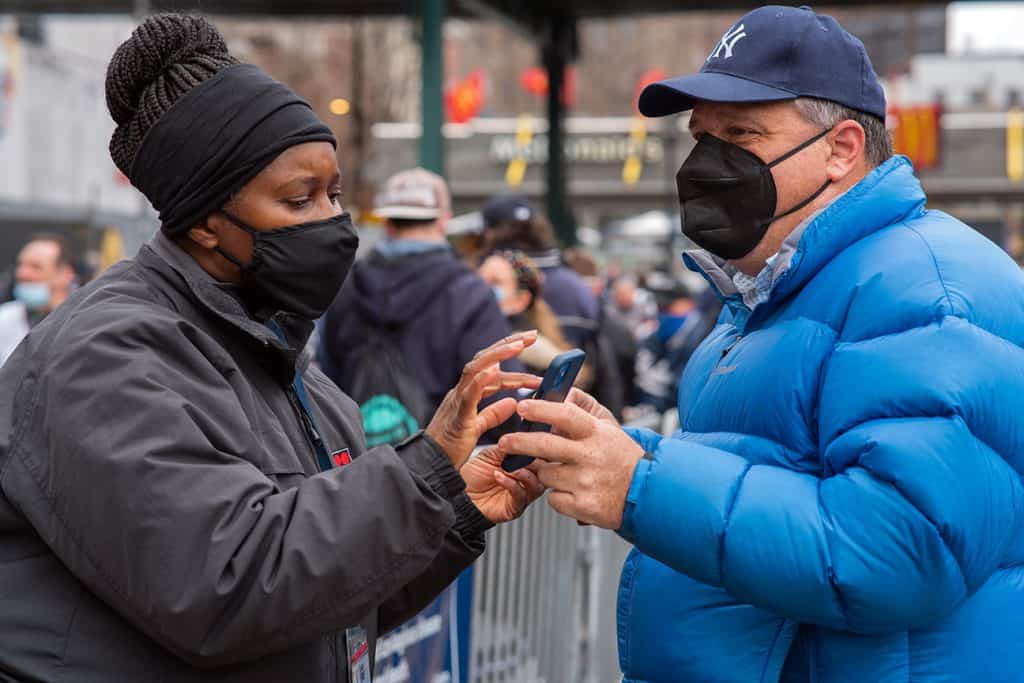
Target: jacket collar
(221, 300)
(546, 258)
(889, 194)
(400, 248)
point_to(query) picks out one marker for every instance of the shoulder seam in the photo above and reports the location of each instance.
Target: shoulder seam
(727, 519)
(938, 271)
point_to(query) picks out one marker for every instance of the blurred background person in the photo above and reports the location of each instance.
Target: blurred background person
(410, 316)
(518, 286)
(684, 320)
(43, 278)
(511, 223)
(633, 305)
(466, 235)
(582, 262)
(613, 340)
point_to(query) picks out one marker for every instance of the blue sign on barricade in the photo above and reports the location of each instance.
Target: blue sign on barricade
(433, 646)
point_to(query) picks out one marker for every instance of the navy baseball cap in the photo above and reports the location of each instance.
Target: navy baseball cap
(506, 208)
(775, 54)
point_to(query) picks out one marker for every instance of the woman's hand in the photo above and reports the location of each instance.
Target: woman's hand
(500, 496)
(456, 426)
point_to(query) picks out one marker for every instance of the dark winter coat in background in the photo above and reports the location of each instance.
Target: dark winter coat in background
(438, 312)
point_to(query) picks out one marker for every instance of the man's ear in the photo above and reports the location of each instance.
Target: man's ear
(203, 234)
(442, 223)
(847, 141)
(66, 275)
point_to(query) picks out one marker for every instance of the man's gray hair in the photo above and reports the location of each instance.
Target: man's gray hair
(825, 113)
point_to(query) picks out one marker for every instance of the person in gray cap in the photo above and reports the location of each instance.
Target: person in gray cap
(844, 500)
(412, 309)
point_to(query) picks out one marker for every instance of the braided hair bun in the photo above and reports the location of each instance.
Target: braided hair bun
(165, 57)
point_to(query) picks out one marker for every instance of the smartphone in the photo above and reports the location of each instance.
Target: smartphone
(555, 386)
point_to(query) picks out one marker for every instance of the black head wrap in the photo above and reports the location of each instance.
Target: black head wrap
(217, 138)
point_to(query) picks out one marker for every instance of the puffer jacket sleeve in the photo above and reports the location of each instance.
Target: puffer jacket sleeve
(135, 463)
(915, 509)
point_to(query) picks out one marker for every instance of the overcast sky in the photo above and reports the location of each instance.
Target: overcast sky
(986, 27)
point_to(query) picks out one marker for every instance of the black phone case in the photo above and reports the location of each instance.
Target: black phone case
(511, 463)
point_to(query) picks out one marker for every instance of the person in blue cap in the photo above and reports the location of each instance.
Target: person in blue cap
(843, 502)
(512, 224)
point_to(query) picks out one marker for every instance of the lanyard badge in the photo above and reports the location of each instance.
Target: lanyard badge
(358, 650)
(357, 645)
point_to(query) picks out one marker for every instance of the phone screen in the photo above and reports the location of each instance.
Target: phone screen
(555, 386)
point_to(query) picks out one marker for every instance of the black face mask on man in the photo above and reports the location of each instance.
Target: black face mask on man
(728, 198)
(297, 269)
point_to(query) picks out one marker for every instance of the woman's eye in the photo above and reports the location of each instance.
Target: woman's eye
(335, 197)
(298, 203)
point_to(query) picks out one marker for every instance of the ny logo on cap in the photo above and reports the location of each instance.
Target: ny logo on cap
(728, 42)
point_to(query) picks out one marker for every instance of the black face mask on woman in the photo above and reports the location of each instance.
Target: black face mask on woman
(297, 269)
(728, 195)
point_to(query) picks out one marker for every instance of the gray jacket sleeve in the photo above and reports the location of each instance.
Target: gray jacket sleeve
(456, 556)
(134, 461)
(460, 547)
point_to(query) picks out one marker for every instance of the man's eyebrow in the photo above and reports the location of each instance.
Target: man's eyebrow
(725, 116)
(745, 120)
(730, 118)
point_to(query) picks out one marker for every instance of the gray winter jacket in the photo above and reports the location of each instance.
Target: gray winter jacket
(162, 516)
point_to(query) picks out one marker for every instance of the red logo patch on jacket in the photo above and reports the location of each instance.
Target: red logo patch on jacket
(341, 458)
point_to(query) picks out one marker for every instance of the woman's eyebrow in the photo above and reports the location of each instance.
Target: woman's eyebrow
(305, 183)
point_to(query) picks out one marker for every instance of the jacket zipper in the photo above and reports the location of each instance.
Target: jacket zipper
(721, 359)
(727, 349)
(316, 444)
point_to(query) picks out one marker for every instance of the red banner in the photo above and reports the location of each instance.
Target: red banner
(917, 133)
(535, 81)
(646, 78)
(465, 99)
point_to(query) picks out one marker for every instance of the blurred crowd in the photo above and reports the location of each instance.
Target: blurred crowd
(430, 299)
(439, 297)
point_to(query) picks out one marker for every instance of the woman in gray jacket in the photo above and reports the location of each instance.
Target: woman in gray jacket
(182, 498)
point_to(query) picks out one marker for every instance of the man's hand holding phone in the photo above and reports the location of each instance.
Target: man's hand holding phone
(555, 386)
(587, 460)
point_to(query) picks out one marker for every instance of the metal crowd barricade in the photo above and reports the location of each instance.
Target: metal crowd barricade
(526, 624)
(544, 603)
(544, 599)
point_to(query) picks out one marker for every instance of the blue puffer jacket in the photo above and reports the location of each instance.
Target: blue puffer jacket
(844, 503)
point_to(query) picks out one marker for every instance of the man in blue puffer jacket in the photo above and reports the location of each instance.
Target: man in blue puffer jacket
(844, 501)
